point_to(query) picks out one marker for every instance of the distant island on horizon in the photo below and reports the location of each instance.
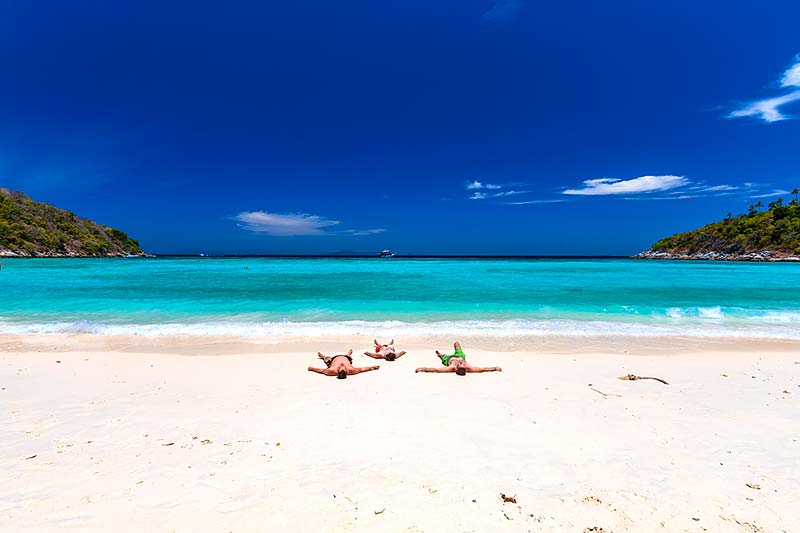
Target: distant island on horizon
(35, 229)
(769, 235)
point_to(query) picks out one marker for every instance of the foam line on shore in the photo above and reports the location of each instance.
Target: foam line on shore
(494, 328)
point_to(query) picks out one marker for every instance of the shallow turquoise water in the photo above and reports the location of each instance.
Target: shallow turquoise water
(284, 295)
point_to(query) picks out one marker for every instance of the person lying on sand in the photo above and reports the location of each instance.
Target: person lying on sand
(340, 366)
(384, 351)
(457, 363)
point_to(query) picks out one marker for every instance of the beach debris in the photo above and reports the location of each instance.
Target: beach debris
(594, 529)
(695, 519)
(58, 361)
(592, 499)
(205, 441)
(507, 517)
(605, 394)
(508, 499)
(277, 444)
(634, 377)
(31, 457)
(753, 486)
(380, 512)
(168, 444)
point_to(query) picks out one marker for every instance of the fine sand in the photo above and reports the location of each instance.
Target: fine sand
(208, 434)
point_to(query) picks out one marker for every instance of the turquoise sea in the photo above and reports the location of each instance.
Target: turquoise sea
(304, 296)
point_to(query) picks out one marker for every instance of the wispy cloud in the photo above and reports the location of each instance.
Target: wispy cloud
(717, 188)
(363, 231)
(475, 185)
(502, 194)
(767, 195)
(768, 109)
(531, 202)
(643, 184)
(293, 224)
(504, 10)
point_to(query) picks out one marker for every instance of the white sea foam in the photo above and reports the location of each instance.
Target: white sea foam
(768, 326)
(710, 312)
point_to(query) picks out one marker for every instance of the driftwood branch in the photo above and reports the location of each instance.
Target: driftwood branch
(634, 377)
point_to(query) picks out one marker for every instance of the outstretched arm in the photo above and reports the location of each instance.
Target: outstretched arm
(479, 369)
(398, 355)
(437, 370)
(362, 369)
(323, 371)
(373, 355)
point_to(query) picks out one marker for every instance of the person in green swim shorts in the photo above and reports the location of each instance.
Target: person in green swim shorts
(457, 363)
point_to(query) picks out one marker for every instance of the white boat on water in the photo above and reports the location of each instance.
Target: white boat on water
(386, 253)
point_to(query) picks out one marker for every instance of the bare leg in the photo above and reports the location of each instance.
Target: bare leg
(456, 346)
(324, 358)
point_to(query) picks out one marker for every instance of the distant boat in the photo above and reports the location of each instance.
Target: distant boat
(386, 253)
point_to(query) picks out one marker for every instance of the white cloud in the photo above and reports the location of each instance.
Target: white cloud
(504, 10)
(676, 197)
(502, 194)
(767, 195)
(791, 78)
(364, 231)
(508, 193)
(475, 184)
(643, 184)
(717, 188)
(292, 224)
(531, 202)
(768, 109)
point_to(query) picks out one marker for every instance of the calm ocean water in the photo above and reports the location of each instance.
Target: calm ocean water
(267, 296)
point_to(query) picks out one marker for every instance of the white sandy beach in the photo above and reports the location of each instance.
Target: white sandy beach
(194, 434)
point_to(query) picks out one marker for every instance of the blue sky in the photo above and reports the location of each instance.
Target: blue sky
(476, 127)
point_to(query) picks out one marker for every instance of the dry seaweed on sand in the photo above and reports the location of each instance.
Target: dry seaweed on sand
(634, 377)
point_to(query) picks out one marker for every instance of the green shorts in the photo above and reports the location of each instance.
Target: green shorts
(459, 353)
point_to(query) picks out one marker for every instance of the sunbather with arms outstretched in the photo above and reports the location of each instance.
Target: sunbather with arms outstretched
(457, 363)
(384, 351)
(340, 366)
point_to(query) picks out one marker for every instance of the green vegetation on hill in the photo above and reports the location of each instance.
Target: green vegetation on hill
(776, 230)
(29, 228)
